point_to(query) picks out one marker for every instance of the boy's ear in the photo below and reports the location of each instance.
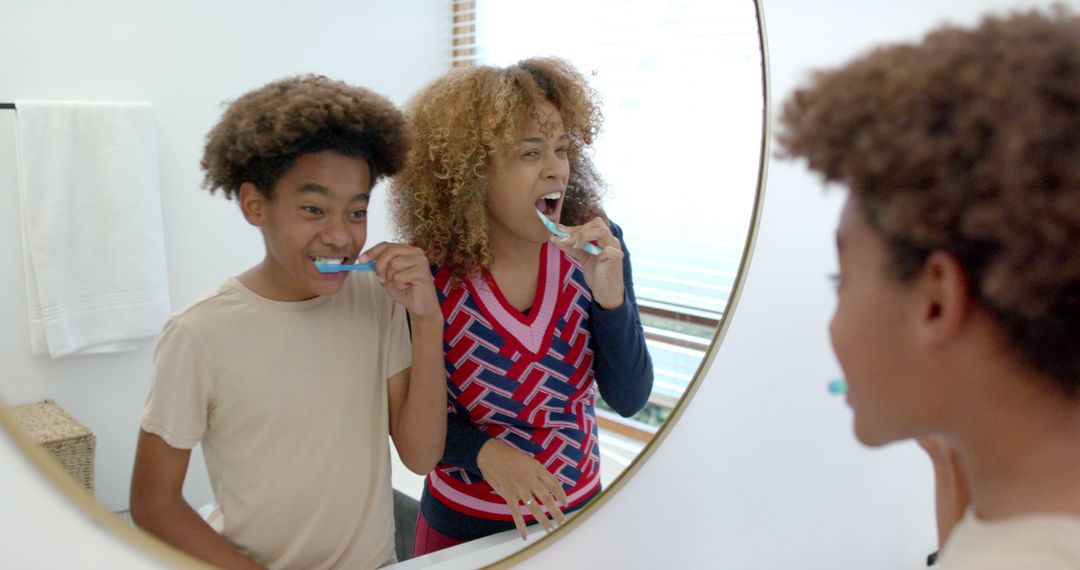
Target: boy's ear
(947, 301)
(253, 204)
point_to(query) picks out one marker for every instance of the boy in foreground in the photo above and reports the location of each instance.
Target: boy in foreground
(958, 315)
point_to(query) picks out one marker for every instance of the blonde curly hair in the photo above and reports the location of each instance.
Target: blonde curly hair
(458, 122)
(968, 142)
(263, 132)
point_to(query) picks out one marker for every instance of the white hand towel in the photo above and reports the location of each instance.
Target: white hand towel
(93, 241)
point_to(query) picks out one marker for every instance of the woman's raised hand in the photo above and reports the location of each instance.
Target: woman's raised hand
(603, 272)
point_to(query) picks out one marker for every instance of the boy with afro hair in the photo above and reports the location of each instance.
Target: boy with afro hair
(958, 314)
(290, 378)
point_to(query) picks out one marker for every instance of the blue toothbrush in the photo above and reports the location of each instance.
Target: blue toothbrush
(550, 225)
(335, 268)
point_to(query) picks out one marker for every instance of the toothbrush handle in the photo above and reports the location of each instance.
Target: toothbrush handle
(339, 268)
(589, 247)
(369, 266)
(592, 248)
(550, 225)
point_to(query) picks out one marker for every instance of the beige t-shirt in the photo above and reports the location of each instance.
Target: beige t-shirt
(289, 402)
(1045, 542)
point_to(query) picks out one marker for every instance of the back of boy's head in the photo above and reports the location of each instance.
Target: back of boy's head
(967, 142)
(263, 132)
(458, 121)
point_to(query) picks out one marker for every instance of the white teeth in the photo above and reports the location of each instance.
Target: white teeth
(330, 260)
(553, 196)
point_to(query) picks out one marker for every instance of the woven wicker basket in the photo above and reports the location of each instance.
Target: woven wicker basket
(70, 442)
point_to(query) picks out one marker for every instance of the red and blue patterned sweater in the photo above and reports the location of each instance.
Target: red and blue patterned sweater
(530, 380)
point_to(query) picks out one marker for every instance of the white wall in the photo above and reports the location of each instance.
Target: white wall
(185, 58)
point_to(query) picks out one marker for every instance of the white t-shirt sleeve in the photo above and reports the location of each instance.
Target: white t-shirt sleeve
(397, 352)
(180, 397)
(1040, 540)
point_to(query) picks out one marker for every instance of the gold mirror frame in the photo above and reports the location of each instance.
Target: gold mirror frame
(162, 552)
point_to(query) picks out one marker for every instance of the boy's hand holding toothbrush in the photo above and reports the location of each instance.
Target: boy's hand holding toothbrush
(406, 274)
(602, 266)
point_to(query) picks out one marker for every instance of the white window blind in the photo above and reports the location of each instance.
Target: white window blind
(463, 32)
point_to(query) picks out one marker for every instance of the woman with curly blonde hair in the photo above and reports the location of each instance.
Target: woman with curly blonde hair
(958, 313)
(533, 323)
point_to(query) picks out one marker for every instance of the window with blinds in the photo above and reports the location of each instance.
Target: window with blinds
(682, 90)
(463, 33)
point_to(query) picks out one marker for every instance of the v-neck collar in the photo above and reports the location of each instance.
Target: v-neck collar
(530, 331)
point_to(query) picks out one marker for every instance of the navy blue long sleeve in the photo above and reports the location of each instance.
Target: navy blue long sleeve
(622, 364)
(463, 441)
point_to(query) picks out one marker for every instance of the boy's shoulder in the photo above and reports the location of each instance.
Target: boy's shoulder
(205, 306)
(1041, 540)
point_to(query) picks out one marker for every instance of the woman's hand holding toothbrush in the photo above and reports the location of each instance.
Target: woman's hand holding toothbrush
(603, 270)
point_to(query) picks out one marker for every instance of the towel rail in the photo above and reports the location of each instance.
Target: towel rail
(7, 105)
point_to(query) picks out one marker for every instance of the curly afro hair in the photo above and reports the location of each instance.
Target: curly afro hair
(968, 142)
(458, 123)
(263, 132)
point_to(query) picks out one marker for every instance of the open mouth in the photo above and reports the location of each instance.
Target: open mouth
(548, 204)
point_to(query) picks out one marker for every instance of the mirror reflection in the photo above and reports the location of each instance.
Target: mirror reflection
(680, 86)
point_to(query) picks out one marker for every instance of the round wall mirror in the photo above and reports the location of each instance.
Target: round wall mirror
(683, 91)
